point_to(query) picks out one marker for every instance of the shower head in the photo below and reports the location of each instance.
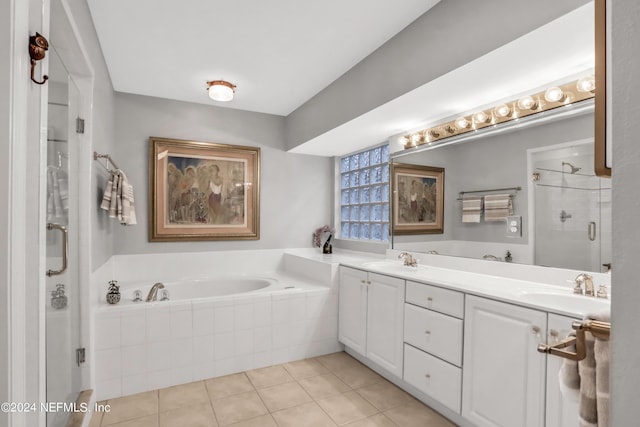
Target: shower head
(573, 168)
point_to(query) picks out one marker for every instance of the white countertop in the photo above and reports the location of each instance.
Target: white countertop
(541, 296)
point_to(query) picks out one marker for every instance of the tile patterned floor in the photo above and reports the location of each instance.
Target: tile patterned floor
(326, 391)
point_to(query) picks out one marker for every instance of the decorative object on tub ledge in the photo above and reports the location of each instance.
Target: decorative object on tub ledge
(58, 298)
(203, 191)
(318, 234)
(418, 199)
(113, 293)
(327, 248)
(118, 197)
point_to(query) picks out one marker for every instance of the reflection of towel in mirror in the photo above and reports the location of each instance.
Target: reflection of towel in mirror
(497, 207)
(118, 198)
(471, 209)
(591, 377)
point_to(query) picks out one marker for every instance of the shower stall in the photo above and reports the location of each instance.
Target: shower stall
(572, 209)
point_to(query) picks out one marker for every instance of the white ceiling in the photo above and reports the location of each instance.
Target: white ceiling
(279, 53)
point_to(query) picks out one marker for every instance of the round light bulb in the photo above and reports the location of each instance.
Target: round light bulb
(480, 117)
(502, 110)
(220, 90)
(527, 103)
(462, 123)
(586, 84)
(554, 94)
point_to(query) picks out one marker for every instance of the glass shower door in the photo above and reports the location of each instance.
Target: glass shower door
(62, 293)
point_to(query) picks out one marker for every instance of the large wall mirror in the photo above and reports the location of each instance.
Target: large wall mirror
(561, 209)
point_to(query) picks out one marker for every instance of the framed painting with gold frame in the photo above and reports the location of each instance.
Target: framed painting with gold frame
(203, 191)
(418, 199)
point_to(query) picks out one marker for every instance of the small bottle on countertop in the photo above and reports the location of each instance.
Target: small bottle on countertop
(327, 248)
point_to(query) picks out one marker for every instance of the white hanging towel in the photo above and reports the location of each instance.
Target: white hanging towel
(497, 207)
(471, 209)
(118, 198)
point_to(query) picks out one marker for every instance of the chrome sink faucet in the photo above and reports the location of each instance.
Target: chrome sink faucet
(584, 285)
(153, 293)
(409, 260)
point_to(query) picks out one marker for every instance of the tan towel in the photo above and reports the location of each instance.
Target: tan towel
(118, 198)
(591, 377)
(497, 207)
(471, 209)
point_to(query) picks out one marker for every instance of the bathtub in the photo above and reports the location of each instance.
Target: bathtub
(200, 289)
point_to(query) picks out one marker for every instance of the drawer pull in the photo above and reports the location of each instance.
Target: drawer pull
(429, 299)
(554, 335)
(428, 332)
(369, 282)
(363, 281)
(535, 330)
(427, 376)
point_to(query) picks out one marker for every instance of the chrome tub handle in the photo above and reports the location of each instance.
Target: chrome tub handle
(65, 248)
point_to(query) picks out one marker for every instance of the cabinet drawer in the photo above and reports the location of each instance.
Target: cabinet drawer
(435, 298)
(433, 377)
(433, 332)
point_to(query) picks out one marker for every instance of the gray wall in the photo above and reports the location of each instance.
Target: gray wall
(492, 162)
(626, 212)
(295, 190)
(451, 34)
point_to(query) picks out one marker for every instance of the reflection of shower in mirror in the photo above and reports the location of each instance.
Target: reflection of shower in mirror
(573, 168)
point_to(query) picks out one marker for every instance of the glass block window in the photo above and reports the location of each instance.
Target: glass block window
(364, 195)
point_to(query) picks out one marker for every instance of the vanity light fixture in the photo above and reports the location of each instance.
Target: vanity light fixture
(462, 123)
(502, 111)
(221, 90)
(481, 117)
(586, 84)
(527, 105)
(555, 94)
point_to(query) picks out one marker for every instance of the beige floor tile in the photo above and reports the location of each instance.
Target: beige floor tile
(193, 416)
(182, 395)
(130, 407)
(378, 420)
(305, 368)
(228, 385)
(416, 414)
(239, 407)
(347, 407)
(283, 396)
(337, 361)
(322, 386)
(148, 421)
(384, 395)
(307, 415)
(262, 421)
(266, 377)
(358, 376)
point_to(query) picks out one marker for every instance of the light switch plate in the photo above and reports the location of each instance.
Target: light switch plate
(514, 226)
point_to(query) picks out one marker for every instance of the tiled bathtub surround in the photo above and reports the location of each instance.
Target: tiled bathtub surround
(147, 346)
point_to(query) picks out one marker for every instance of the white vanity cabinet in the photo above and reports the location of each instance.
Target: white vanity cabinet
(562, 411)
(370, 317)
(504, 376)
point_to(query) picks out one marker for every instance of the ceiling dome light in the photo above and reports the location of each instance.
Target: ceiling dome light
(555, 94)
(586, 84)
(502, 111)
(527, 103)
(220, 90)
(462, 123)
(481, 117)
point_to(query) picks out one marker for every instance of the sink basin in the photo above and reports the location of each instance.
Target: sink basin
(391, 266)
(570, 302)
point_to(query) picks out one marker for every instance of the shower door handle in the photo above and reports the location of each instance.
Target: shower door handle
(65, 248)
(592, 231)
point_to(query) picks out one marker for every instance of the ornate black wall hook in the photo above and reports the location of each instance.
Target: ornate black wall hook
(38, 46)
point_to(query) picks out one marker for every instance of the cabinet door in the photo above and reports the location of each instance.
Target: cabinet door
(352, 314)
(385, 322)
(562, 411)
(503, 374)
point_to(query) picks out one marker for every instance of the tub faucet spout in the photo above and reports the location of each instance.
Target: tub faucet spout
(153, 293)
